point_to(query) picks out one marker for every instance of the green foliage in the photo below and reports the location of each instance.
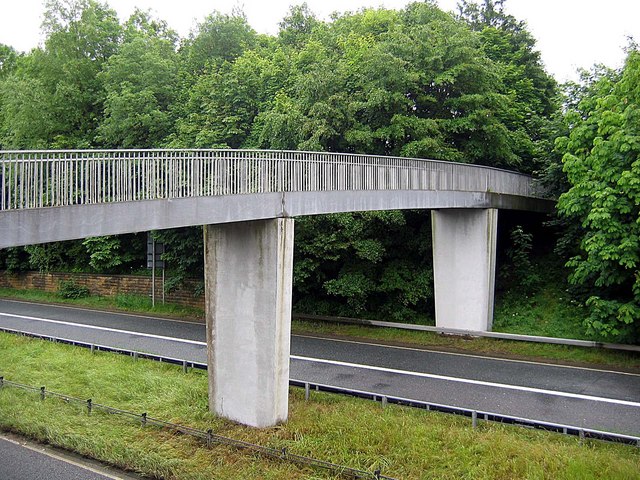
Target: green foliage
(415, 82)
(297, 26)
(52, 99)
(14, 259)
(70, 289)
(533, 93)
(602, 162)
(520, 273)
(408, 443)
(374, 264)
(184, 254)
(140, 83)
(219, 38)
(8, 60)
(103, 252)
(55, 256)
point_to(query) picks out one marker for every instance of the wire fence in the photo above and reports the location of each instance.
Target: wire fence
(473, 414)
(206, 436)
(53, 178)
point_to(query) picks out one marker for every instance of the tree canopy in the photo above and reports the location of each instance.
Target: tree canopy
(602, 163)
(415, 82)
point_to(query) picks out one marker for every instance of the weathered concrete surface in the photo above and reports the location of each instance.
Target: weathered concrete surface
(33, 226)
(464, 262)
(248, 280)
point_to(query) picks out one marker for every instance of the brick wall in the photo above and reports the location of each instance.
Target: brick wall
(104, 285)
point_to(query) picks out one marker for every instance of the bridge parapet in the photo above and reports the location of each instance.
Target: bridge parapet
(40, 179)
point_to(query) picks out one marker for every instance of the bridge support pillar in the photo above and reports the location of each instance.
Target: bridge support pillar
(464, 261)
(248, 281)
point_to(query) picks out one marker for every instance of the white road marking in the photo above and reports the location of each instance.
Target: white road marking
(355, 342)
(104, 329)
(47, 452)
(352, 365)
(106, 312)
(483, 357)
(469, 381)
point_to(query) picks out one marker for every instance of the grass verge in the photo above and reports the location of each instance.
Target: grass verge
(121, 302)
(405, 443)
(564, 354)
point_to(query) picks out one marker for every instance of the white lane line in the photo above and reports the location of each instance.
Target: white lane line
(104, 329)
(352, 365)
(355, 342)
(482, 357)
(468, 381)
(43, 450)
(105, 312)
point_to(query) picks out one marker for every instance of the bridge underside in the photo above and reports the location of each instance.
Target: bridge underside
(43, 225)
(249, 274)
(248, 258)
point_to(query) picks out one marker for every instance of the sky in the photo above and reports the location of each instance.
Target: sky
(570, 34)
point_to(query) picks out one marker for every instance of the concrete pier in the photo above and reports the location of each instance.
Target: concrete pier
(464, 263)
(248, 281)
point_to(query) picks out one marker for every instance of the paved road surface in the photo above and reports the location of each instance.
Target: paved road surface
(25, 460)
(586, 398)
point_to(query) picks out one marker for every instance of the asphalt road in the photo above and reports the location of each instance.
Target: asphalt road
(580, 397)
(20, 460)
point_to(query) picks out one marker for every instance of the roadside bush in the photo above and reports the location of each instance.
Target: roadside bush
(70, 289)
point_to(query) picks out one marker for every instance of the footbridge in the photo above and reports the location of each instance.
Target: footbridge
(247, 200)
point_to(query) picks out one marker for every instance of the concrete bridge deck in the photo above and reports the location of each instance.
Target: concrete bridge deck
(48, 196)
(247, 200)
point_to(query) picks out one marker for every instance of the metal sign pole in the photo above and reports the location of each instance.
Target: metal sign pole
(153, 273)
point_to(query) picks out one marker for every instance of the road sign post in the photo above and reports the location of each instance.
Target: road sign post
(154, 260)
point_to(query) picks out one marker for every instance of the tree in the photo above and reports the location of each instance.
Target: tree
(8, 60)
(297, 26)
(373, 264)
(602, 162)
(53, 97)
(533, 92)
(219, 38)
(140, 83)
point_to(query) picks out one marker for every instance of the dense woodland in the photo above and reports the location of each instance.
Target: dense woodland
(416, 82)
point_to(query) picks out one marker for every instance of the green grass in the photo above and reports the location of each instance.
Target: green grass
(121, 302)
(550, 312)
(406, 443)
(594, 357)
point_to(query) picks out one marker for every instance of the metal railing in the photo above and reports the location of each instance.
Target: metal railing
(204, 435)
(621, 347)
(581, 432)
(55, 178)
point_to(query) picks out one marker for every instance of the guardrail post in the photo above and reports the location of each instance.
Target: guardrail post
(135, 355)
(209, 439)
(474, 419)
(184, 366)
(43, 393)
(93, 348)
(581, 435)
(143, 418)
(307, 391)
(89, 406)
(384, 402)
